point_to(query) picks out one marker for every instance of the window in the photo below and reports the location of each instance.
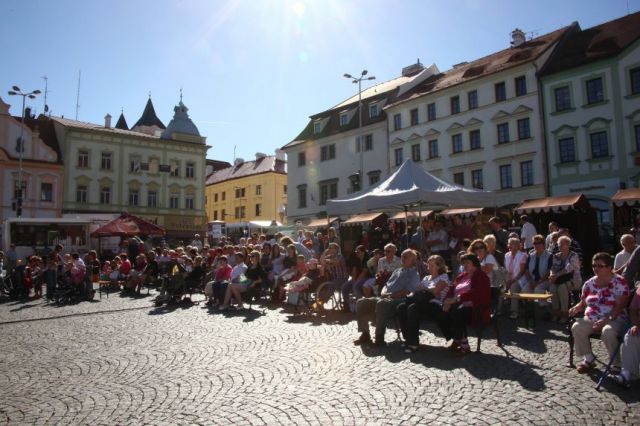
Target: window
(474, 139)
(524, 130)
(81, 194)
(505, 176)
(302, 159)
(258, 189)
(105, 195)
(223, 214)
(355, 183)
(521, 85)
(472, 98)
(240, 212)
(414, 116)
(431, 111)
(476, 179)
(456, 143)
(458, 178)
(415, 152)
(105, 161)
(397, 122)
(284, 190)
(599, 145)
(134, 196)
(637, 131)
(152, 198)
(174, 201)
(563, 98)
(455, 104)
(175, 169)
(344, 119)
(258, 209)
(595, 91)
(215, 197)
(46, 191)
(83, 159)
(302, 197)
(19, 145)
(189, 202)
(500, 91)
(368, 142)
(190, 170)
(328, 191)
(526, 173)
(134, 165)
(328, 152)
(316, 127)
(433, 148)
(503, 133)
(224, 195)
(567, 150)
(397, 155)
(374, 178)
(239, 192)
(215, 215)
(634, 79)
(373, 111)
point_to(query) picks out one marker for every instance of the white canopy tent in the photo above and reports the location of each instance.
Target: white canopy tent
(411, 185)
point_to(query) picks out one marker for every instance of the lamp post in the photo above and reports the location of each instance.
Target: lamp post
(360, 145)
(31, 95)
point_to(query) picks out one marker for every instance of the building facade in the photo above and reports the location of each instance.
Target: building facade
(151, 171)
(249, 190)
(591, 95)
(478, 124)
(334, 156)
(42, 167)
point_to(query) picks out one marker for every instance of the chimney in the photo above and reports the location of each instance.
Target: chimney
(260, 156)
(107, 121)
(280, 155)
(412, 69)
(238, 162)
(517, 37)
(27, 112)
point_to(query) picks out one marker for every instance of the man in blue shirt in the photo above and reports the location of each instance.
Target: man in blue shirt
(403, 281)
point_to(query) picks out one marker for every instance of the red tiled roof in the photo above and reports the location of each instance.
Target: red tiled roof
(595, 43)
(248, 168)
(491, 64)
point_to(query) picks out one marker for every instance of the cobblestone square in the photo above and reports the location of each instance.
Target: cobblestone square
(119, 360)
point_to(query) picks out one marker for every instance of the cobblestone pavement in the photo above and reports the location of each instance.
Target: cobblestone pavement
(122, 361)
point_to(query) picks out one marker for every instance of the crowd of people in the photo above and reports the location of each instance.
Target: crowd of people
(451, 274)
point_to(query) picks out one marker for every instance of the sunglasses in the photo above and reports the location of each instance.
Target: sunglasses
(598, 266)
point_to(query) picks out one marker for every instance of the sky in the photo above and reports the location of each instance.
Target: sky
(251, 71)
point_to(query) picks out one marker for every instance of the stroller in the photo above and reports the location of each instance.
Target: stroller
(173, 283)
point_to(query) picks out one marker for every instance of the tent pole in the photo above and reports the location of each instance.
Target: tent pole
(406, 223)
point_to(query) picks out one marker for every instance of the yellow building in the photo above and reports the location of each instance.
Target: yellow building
(249, 190)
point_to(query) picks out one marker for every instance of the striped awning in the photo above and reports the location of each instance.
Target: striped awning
(630, 197)
(552, 204)
(462, 212)
(411, 215)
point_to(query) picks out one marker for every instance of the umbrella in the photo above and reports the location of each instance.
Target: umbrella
(127, 225)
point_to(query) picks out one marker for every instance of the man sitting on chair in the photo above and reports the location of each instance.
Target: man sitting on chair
(403, 281)
(630, 349)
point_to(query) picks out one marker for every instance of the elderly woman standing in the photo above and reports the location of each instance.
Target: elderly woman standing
(565, 272)
(604, 299)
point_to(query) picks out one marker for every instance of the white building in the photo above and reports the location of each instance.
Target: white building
(591, 90)
(325, 160)
(478, 124)
(151, 171)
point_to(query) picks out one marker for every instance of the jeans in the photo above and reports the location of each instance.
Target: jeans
(352, 287)
(382, 309)
(219, 290)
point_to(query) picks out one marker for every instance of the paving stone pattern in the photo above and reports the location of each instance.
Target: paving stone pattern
(123, 361)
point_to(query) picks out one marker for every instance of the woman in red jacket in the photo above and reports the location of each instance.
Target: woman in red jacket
(471, 290)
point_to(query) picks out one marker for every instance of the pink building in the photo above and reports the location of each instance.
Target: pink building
(42, 168)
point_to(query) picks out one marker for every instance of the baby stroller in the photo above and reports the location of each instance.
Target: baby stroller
(67, 292)
(173, 284)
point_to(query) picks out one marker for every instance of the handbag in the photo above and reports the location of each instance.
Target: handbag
(564, 278)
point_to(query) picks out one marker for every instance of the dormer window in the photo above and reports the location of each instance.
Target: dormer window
(316, 128)
(344, 119)
(373, 111)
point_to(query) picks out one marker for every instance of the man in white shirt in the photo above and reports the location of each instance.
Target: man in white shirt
(515, 261)
(437, 240)
(628, 243)
(197, 242)
(549, 243)
(527, 233)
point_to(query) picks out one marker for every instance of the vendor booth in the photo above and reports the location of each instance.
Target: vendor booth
(626, 212)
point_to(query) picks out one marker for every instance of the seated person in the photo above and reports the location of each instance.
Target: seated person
(386, 265)
(311, 276)
(220, 282)
(296, 273)
(604, 300)
(403, 281)
(515, 261)
(235, 282)
(471, 289)
(194, 277)
(136, 276)
(124, 268)
(358, 275)
(372, 267)
(334, 267)
(630, 349)
(538, 268)
(425, 302)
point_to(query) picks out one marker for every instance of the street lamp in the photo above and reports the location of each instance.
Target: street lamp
(31, 95)
(358, 80)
